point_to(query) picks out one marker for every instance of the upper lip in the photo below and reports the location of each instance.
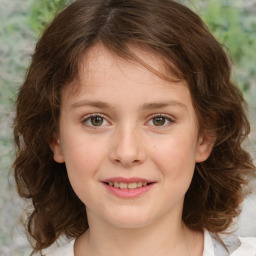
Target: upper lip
(127, 180)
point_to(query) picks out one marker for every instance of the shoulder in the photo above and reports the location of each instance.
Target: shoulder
(247, 247)
(64, 250)
(235, 245)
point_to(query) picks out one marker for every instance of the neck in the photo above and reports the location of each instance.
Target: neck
(162, 239)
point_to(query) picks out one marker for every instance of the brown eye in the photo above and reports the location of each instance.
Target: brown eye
(97, 120)
(159, 121)
(94, 121)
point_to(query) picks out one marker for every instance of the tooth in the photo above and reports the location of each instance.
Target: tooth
(139, 184)
(123, 185)
(132, 185)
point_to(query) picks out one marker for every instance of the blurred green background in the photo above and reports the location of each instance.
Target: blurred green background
(21, 23)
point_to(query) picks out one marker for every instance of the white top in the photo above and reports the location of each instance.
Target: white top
(237, 246)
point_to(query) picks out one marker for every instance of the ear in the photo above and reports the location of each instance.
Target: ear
(56, 149)
(205, 145)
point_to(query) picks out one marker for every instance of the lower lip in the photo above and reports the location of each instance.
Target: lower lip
(128, 193)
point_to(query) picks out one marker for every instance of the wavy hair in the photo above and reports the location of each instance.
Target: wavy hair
(189, 51)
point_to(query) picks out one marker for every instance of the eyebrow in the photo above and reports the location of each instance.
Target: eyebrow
(97, 104)
(145, 106)
(157, 105)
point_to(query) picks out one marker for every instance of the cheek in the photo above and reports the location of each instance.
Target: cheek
(82, 165)
(175, 156)
(82, 155)
(82, 162)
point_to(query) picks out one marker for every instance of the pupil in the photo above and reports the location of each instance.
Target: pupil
(158, 121)
(97, 121)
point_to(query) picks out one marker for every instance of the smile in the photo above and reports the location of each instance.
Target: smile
(132, 185)
(128, 188)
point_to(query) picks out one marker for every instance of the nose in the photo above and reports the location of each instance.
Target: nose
(127, 147)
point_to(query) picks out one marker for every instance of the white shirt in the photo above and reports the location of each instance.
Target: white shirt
(237, 246)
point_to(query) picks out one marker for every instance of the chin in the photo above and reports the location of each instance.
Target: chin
(130, 220)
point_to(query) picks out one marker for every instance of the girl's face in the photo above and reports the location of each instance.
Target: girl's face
(129, 140)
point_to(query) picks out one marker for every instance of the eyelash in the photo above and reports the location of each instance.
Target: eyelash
(89, 118)
(166, 118)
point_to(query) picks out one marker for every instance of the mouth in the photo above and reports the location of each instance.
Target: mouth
(128, 185)
(128, 188)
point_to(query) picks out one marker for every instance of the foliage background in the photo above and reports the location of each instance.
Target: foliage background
(233, 22)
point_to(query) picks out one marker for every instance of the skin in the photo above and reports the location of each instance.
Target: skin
(138, 136)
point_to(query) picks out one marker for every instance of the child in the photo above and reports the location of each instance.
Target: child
(129, 132)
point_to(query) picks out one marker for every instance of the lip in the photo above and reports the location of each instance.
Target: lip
(127, 180)
(128, 193)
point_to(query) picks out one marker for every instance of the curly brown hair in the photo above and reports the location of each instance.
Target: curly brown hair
(188, 50)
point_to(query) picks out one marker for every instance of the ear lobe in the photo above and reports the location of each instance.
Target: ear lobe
(57, 150)
(205, 145)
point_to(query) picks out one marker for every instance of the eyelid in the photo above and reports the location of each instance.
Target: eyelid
(162, 115)
(88, 116)
(170, 118)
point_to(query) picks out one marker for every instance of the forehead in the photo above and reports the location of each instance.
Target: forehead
(102, 72)
(98, 62)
